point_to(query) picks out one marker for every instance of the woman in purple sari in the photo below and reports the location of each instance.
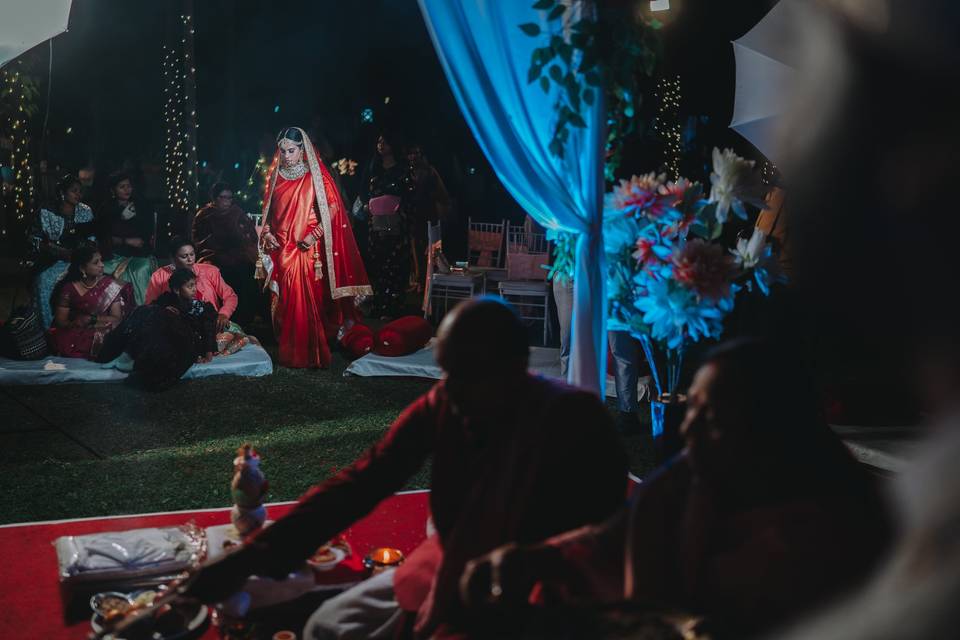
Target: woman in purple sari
(87, 304)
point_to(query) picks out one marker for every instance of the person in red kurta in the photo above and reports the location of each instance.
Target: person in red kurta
(309, 259)
(515, 457)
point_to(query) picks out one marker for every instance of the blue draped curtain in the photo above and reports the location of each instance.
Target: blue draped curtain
(486, 58)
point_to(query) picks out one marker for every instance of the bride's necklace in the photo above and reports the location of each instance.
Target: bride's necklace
(295, 172)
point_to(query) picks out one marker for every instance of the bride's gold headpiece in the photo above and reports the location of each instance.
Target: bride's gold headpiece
(285, 133)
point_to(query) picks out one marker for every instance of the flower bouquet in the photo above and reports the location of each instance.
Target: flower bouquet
(671, 279)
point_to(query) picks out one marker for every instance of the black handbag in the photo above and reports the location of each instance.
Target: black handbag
(26, 335)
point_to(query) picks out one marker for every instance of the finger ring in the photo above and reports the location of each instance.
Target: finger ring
(496, 588)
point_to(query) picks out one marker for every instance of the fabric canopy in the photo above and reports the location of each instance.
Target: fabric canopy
(766, 57)
(486, 58)
(26, 23)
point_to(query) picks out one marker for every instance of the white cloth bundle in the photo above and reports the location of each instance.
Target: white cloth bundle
(129, 554)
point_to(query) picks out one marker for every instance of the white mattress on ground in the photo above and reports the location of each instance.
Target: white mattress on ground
(251, 361)
(543, 360)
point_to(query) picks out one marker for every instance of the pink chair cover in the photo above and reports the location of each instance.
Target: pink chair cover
(486, 243)
(526, 266)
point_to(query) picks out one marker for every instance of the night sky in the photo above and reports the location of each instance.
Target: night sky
(321, 62)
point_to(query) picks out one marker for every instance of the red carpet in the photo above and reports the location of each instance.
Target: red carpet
(30, 604)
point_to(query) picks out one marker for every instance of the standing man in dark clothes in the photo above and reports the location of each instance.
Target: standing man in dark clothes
(515, 458)
(225, 236)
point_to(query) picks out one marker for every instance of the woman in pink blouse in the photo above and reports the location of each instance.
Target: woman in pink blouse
(211, 287)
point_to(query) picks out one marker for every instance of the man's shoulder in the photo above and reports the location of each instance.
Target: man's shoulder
(162, 274)
(428, 408)
(552, 390)
(206, 269)
(565, 409)
(432, 400)
(203, 212)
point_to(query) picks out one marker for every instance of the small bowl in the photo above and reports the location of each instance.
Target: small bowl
(383, 558)
(193, 626)
(97, 600)
(147, 596)
(338, 557)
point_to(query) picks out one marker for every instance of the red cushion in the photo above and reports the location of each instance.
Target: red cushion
(357, 340)
(403, 336)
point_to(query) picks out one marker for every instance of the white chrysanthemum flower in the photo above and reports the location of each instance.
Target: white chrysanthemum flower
(730, 172)
(750, 251)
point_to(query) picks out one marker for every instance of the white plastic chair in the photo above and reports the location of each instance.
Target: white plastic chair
(444, 286)
(485, 242)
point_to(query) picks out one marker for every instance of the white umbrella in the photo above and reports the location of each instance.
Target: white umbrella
(766, 58)
(26, 23)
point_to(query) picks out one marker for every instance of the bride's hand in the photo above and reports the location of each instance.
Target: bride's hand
(270, 242)
(306, 243)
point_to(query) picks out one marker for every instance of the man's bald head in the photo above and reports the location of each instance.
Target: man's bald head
(483, 336)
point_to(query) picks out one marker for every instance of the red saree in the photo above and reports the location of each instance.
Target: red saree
(83, 341)
(312, 291)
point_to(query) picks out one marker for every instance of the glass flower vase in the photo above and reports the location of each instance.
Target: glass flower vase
(665, 366)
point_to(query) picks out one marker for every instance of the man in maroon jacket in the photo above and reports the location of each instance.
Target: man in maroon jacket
(515, 458)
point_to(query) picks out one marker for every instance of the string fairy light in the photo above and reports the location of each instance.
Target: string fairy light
(180, 158)
(19, 159)
(260, 173)
(667, 124)
(768, 171)
(267, 175)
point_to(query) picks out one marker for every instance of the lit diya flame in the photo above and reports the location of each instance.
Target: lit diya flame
(387, 556)
(383, 557)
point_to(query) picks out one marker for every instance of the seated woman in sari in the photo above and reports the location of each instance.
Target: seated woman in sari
(165, 338)
(126, 229)
(59, 229)
(88, 305)
(211, 287)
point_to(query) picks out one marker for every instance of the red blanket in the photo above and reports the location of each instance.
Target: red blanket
(29, 589)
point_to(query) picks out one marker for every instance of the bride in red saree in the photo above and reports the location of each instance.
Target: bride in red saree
(309, 259)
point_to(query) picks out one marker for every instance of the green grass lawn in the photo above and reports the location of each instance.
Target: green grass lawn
(109, 449)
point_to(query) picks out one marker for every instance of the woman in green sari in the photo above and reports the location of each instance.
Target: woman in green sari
(127, 232)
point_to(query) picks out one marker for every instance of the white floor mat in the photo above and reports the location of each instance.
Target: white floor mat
(543, 360)
(251, 361)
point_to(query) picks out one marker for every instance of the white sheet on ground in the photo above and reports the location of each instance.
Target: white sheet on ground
(251, 361)
(543, 360)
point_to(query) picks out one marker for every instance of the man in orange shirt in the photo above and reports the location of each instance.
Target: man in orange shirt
(772, 221)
